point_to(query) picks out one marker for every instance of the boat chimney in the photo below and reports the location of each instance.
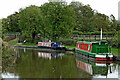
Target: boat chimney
(101, 34)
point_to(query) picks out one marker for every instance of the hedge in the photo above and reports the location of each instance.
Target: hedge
(93, 33)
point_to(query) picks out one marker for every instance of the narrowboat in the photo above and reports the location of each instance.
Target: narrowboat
(97, 50)
(50, 45)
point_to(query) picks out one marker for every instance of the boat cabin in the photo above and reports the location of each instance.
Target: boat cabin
(93, 47)
(48, 44)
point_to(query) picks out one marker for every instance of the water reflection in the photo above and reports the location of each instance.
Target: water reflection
(9, 75)
(49, 55)
(36, 64)
(99, 69)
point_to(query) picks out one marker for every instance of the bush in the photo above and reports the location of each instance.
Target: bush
(13, 42)
(93, 33)
(77, 33)
(68, 42)
(116, 40)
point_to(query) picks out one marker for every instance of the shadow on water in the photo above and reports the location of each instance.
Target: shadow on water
(36, 64)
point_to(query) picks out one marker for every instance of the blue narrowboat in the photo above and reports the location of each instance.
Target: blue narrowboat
(50, 45)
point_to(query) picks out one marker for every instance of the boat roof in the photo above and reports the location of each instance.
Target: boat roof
(91, 42)
(48, 42)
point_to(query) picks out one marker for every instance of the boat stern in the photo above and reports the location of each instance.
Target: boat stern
(108, 56)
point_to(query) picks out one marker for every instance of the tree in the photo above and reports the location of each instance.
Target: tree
(84, 14)
(30, 20)
(113, 23)
(101, 21)
(59, 18)
(10, 24)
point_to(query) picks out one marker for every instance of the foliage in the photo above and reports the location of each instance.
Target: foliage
(70, 42)
(56, 19)
(10, 24)
(59, 19)
(93, 33)
(89, 20)
(115, 51)
(116, 40)
(30, 20)
(84, 15)
(13, 42)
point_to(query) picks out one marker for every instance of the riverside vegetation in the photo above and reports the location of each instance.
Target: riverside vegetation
(59, 21)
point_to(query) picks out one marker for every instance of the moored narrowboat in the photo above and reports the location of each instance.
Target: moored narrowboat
(50, 45)
(98, 50)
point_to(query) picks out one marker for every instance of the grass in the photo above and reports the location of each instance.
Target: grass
(115, 51)
(29, 44)
(71, 47)
(13, 42)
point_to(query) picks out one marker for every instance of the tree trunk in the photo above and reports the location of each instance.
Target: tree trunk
(33, 37)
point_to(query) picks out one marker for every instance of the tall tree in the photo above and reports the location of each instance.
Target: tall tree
(84, 14)
(30, 20)
(59, 18)
(101, 21)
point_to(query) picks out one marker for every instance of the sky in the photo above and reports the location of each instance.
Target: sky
(108, 7)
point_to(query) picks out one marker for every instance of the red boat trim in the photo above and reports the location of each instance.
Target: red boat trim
(104, 62)
(101, 58)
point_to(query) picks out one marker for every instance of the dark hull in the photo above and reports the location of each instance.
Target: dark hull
(52, 48)
(91, 58)
(44, 48)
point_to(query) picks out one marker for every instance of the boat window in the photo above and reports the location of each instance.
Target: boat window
(88, 47)
(78, 46)
(42, 44)
(47, 44)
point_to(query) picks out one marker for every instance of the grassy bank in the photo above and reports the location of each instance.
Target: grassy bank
(15, 41)
(29, 44)
(71, 47)
(115, 51)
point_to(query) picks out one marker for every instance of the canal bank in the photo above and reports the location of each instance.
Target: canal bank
(36, 47)
(67, 48)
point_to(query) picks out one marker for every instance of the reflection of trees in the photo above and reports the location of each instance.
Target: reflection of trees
(31, 66)
(114, 67)
(102, 70)
(9, 59)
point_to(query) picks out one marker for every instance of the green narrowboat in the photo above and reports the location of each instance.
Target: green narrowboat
(97, 50)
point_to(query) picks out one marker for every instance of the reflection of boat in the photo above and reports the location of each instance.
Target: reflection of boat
(50, 45)
(93, 67)
(94, 50)
(7, 75)
(49, 55)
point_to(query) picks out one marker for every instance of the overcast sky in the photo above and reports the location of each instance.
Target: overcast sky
(107, 7)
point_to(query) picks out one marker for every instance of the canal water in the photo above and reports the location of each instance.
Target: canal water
(30, 63)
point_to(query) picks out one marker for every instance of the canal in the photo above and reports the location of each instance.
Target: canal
(31, 63)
